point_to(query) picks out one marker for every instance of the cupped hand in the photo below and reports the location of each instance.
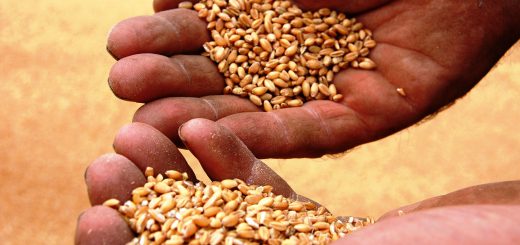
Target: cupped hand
(434, 50)
(222, 155)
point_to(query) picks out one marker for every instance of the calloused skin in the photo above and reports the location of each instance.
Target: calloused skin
(476, 215)
(436, 50)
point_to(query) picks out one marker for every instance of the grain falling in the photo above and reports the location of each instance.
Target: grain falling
(273, 44)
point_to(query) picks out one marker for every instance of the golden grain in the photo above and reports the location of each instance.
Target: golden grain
(314, 90)
(295, 103)
(162, 188)
(255, 99)
(337, 97)
(314, 64)
(323, 89)
(185, 5)
(111, 202)
(267, 105)
(278, 100)
(230, 220)
(401, 92)
(367, 64)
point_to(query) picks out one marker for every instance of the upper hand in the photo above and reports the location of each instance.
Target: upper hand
(435, 50)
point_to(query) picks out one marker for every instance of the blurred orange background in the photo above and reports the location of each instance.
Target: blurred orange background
(58, 114)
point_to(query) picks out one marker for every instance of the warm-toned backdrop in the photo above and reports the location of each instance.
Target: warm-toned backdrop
(57, 114)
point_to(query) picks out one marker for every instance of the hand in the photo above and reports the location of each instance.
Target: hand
(220, 152)
(435, 50)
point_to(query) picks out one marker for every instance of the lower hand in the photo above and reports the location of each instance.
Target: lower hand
(487, 213)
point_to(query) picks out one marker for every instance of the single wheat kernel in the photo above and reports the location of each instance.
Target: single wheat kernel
(267, 106)
(367, 64)
(201, 221)
(295, 103)
(229, 183)
(186, 5)
(314, 64)
(303, 228)
(230, 220)
(162, 188)
(175, 175)
(278, 100)
(259, 91)
(111, 202)
(401, 92)
(255, 99)
(314, 90)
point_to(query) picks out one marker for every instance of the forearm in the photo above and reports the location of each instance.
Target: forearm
(499, 193)
(449, 225)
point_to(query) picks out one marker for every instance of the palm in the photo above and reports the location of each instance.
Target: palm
(421, 49)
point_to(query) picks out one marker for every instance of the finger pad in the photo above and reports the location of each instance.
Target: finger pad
(168, 114)
(167, 32)
(147, 147)
(112, 176)
(146, 77)
(219, 151)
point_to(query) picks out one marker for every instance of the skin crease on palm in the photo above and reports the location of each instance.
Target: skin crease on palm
(436, 50)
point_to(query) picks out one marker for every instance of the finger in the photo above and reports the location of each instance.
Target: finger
(474, 224)
(112, 176)
(168, 32)
(146, 77)
(145, 146)
(168, 114)
(223, 156)
(317, 128)
(501, 193)
(162, 5)
(102, 225)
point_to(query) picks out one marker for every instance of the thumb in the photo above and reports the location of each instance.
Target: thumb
(223, 155)
(351, 6)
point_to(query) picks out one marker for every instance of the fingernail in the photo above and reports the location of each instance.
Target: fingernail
(182, 138)
(108, 43)
(79, 216)
(110, 86)
(111, 53)
(113, 91)
(179, 132)
(85, 174)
